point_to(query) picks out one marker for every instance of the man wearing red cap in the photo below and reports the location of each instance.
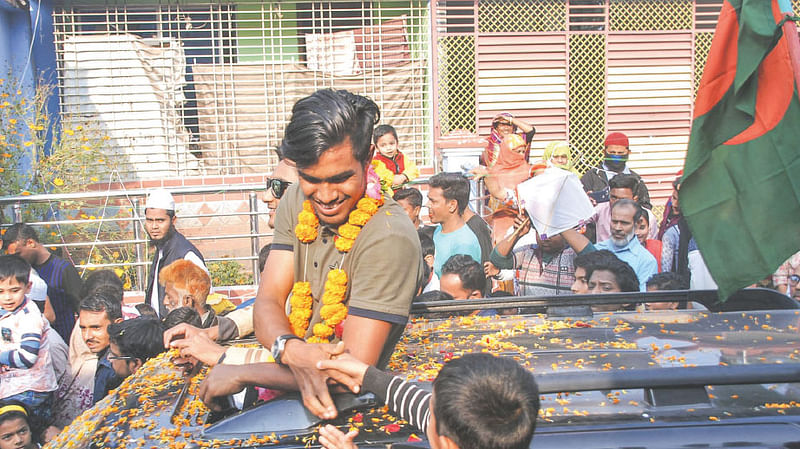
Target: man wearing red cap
(614, 162)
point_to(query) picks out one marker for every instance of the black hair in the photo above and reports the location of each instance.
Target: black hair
(623, 273)
(182, 315)
(19, 232)
(382, 130)
(434, 295)
(468, 270)
(142, 338)
(486, 402)
(588, 261)
(410, 194)
(426, 242)
(146, 310)
(110, 291)
(327, 118)
(99, 278)
(101, 302)
(668, 280)
(639, 214)
(454, 187)
(16, 267)
(26, 415)
(262, 256)
(624, 181)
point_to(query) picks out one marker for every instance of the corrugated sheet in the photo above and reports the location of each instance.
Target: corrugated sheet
(650, 93)
(527, 75)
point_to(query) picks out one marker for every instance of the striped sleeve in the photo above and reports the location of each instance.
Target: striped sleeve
(26, 355)
(406, 400)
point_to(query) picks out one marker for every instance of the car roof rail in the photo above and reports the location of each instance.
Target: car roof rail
(666, 377)
(750, 299)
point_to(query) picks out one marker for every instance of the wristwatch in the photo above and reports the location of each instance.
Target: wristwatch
(280, 344)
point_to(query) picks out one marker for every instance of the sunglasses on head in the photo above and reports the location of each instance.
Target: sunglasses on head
(278, 187)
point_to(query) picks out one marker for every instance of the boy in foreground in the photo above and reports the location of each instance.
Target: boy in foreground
(479, 401)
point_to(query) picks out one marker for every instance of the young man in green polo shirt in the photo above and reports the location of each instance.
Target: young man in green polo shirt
(328, 138)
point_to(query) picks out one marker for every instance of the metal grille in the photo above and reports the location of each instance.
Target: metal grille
(702, 44)
(207, 88)
(587, 97)
(457, 84)
(650, 15)
(511, 16)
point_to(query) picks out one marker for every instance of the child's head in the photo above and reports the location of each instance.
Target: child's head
(14, 283)
(15, 430)
(483, 402)
(185, 285)
(385, 138)
(134, 342)
(668, 280)
(642, 228)
(182, 315)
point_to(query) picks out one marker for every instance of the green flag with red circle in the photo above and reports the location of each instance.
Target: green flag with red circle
(741, 186)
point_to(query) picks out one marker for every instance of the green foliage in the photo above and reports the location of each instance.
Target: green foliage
(229, 272)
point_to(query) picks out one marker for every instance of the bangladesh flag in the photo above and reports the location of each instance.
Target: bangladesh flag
(741, 186)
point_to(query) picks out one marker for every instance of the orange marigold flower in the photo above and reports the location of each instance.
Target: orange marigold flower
(315, 339)
(302, 288)
(305, 233)
(367, 205)
(322, 330)
(300, 302)
(307, 206)
(308, 218)
(335, 289)
(344, 245)
(349, 231)
(329, 298)
(334, 313)
(359, 217)
(337, 276)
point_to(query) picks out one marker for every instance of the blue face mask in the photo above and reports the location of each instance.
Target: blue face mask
(616, 162)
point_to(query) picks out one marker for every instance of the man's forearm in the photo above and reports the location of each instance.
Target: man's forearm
(268, 375)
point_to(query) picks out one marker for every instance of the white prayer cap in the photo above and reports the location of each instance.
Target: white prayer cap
(160, 199)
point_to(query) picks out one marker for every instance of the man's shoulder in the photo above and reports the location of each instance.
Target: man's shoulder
(390, 220)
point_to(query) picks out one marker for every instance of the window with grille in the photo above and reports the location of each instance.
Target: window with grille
(196, 89)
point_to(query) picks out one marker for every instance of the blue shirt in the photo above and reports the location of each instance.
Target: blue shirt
(105, 379)
(447, 245)
(635, 255)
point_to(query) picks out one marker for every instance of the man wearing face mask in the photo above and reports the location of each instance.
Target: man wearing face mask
(615, 158)
(623, 243)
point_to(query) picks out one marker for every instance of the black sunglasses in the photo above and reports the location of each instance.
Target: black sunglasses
(112, 357)
(278, 187)
(794, 278)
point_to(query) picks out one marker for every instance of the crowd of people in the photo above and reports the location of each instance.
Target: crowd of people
(352, 249)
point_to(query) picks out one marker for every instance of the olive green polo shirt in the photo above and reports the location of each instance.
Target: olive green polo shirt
(383, 267)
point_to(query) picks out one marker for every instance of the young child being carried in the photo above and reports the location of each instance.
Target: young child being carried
(403, 169)
(479, 401)
(26, 372)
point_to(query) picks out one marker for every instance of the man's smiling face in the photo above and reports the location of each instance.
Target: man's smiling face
(335, 183)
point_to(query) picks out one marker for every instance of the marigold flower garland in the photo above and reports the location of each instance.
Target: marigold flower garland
(333, 310)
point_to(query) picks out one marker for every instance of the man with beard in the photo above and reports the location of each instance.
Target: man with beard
(615, 158)
(623, 243)
(171, 245)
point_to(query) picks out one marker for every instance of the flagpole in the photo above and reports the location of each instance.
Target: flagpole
(792, 40)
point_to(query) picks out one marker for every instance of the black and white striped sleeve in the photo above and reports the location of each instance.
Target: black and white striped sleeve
(406, 400)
